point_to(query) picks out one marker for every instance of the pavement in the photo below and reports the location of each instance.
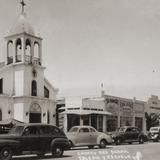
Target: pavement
(146, 151)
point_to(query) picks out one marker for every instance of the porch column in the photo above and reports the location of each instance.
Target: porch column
(144, 124)
(81, 120)
(104, 123)
(98, 122)
(89, 119)
(65, 122)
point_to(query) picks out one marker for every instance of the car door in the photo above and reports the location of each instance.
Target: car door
(135, 133)
(128, 135)
(83, 136)
(30, 139)
(45, 138)
(93, 136)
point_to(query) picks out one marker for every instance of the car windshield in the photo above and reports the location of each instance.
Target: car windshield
(154, 129)
(75, 129)
(17, 130)
(122, 129)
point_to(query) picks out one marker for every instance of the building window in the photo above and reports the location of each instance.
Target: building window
(34, 88)
(1, 86)
(46, 92)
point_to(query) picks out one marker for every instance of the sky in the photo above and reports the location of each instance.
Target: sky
(89, 42)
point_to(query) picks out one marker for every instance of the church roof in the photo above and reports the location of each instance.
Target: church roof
(22, 26)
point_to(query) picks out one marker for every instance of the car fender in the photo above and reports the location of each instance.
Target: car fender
(100, 137)
(59, 141)
(12, 143)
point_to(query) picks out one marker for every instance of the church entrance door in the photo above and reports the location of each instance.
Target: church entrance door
(35, 113)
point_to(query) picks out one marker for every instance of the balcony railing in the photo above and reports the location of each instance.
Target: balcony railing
(27, 59)
(18, 58)
(10, 60)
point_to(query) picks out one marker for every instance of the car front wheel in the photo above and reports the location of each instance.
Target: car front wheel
(57, 151)
(6, 153)
(103, 144)
(118, 141)
(141, 140)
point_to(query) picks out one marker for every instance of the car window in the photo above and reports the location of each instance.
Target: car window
(122, 129)
(16, 130)
(129, 130)
(55, 131)
(30, 131)
(44, 130)
(83, 130)
(135, 130)
(74, 129)
(92, 130)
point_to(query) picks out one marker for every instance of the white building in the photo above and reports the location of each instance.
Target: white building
(153, 104)
(25, 94)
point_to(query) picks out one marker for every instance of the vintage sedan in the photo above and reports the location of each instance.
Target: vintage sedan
(87, 136)
(129, 134)
(33, 138)
(154, 134)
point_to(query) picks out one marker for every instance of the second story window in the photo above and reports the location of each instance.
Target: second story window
(1, 85)
(46, 92)
(34, 88)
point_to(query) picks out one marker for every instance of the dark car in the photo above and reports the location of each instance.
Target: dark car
(129, 134)
(34, 138)
(154, 134)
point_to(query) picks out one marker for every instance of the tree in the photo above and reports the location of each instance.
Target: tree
(152, 119)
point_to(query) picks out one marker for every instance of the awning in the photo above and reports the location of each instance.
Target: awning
(85, 112)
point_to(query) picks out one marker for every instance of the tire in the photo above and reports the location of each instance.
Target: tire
(41, 154)
(141, 140)
(57, 151)
(102, 144)
(118, 141)
(70, 144)
(130, 142)
(6, 153)
(90, 147)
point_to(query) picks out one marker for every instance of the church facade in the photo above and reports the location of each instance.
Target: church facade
(25, 93)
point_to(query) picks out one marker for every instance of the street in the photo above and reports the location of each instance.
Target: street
(146, 151)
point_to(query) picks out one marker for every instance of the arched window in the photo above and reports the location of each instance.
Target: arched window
(18, 50)
(28, 51)
(36, 57)
(34, 88)
(0, 114)
(36, 50)
(10, 52)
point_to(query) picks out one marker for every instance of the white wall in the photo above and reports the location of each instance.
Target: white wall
(19, 83)
(18, 111)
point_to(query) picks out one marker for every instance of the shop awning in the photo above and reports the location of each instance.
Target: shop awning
(86, 112)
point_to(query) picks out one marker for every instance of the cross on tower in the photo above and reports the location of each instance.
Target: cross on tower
(23, 5)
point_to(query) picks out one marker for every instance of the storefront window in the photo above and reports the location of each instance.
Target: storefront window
(112, 123)
(139, 122)
(126, 121)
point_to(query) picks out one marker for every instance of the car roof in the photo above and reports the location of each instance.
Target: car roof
(34, 124)
(156, 127)
(83, 126)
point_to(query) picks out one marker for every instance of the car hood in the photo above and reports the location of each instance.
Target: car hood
(7, 136)
(70, 134)
(115, 134)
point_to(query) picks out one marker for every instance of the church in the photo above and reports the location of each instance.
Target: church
(25, 93)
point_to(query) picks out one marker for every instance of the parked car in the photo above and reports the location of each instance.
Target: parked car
(154, 133)
(87, 136)
(35, 138)
(129, 134)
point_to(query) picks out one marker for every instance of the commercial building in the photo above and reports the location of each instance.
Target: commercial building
(106, 113)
